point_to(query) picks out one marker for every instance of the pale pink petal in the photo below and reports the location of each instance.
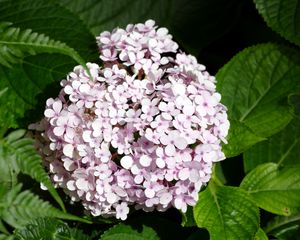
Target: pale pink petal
(68, 89)
(76, 84)
(145, 161)
(188, 110)
(164, 139)
(201, 110)
(210, 156)
(68, 150)
(69, 165)
(126, 162)
(61, 121)
(70, 132)
(170, 150)
(166, 116)
(180, 143)
(152, 43)
(112, 198)
(82, 184)
(57, 106)
(184, 174)
(150, 193)
(161, 32)
(163, 106)
(71, 185)
(160, 163)
(178, 89)
(49, 113)
(194, 175)
(59, 131)
(86, 135)
(138, 179)
(178, 202)
(166, 198)
(132, 57)
(120, 191)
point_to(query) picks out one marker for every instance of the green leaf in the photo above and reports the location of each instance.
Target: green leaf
(28, 85)
(18, 208)
(19, 154)
(273, 189)
(282, 148)
(285, 228)
(53, 20)
(282, 16)
(254, 86)
(15, 135)
(15, 43)
(33, 80)
(6, 237)
(261, 235)
(179, 16)
(227, 213)
(123, 231)
(50, 229)
(240, 137)
(8, 172)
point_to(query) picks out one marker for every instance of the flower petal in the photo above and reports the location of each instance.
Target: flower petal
(68, 150)
(126, 162)
(170, 150)
(180, 143)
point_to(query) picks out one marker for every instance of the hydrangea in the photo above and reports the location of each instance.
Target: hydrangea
(142, 131)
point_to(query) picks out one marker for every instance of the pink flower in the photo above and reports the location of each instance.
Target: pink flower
(64, 125)
(151, 188)
(206, 103)
(149, 108)
(152, 136)
(172, 140)
(55, 110)
(168, 110)
(143, 130)
(160, 124)
(109, 54)
(122, 210)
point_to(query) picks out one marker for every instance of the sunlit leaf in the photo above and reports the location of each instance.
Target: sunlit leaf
(274, 189)
(261, 235)
(255, 86)
(227, 213)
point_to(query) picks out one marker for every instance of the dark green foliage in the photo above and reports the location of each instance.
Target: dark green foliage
(50, 229)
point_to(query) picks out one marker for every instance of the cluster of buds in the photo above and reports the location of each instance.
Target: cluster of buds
(143, 130)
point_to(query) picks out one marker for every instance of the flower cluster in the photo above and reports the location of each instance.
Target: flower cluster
(143, 130)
